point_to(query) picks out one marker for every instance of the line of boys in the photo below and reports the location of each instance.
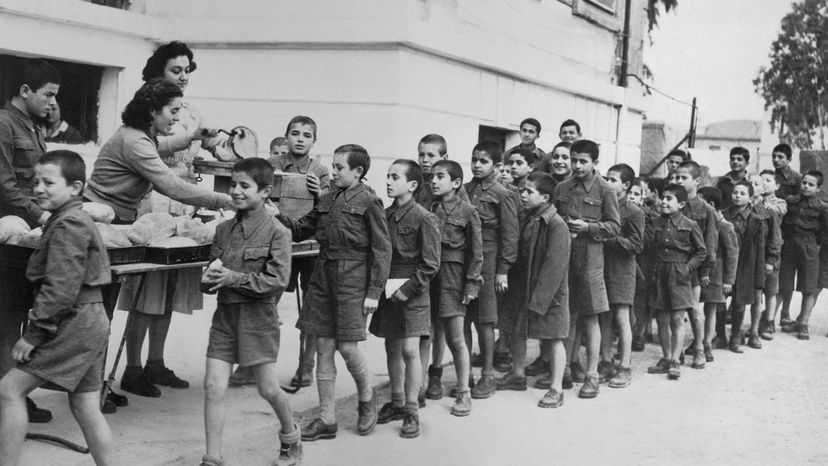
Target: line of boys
(355, 241)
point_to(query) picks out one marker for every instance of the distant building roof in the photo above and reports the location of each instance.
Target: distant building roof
(741, 130)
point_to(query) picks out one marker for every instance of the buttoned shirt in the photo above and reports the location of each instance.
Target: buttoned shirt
(415, 245)
(592, 200)
(498, 210)
(789, 182)
(739, 217)
(67, 268)
(21, 146)
(257, 248)
(461, 240)
(676, 238)
(705, 216)
(349, 224)
(807, 219)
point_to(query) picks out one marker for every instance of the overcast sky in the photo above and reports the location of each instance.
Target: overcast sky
(712, 49)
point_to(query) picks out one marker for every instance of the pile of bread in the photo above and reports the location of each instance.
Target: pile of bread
(154, 229)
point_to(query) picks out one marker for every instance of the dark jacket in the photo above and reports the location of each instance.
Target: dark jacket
(415, 241)
(750, 273)
(498, 210)
(349, 224)
(257, 248)
(67, 268)
(21, 146)
(462, 241)
(542, 282)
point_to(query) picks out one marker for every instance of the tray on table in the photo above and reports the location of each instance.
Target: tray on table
(178, 255)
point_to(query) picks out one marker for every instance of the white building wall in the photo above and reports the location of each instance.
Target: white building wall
(378, 73)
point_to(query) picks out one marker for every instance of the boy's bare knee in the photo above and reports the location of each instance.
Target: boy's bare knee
(270, 390)
(214, 389)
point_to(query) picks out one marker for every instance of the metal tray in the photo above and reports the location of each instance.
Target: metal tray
(178, 255)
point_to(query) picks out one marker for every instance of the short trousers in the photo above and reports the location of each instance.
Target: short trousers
(800, 260)
(334, 301)
(587, 290)
(483, 310)
(402, 320)
(447, 289)
(620, 277)
(669, 287)
(246, 334)
(73, 359)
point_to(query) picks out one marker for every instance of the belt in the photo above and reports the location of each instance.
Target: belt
(89, 294)
(453, 255)
(360, 254)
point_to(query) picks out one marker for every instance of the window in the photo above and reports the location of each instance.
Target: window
(78, 95)
(605, 13)
(494, 134)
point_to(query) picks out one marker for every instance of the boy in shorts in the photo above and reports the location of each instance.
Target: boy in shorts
(590, 207)
(350, 273)
(722, 276)
(68, 329)
(688, 174)
(804, 229)
(431, 149)
(300, 137)
(250, 268)
(536, 306)
(497, 207)
(619, 275)
(777, 208)
(678, 249)
(459, 279)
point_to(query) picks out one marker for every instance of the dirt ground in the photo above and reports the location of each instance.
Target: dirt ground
(761, 407)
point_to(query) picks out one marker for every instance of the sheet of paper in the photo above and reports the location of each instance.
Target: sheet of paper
(392, 285)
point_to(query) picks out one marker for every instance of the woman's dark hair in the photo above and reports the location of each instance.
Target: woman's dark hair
(152, 96)
(156, 63)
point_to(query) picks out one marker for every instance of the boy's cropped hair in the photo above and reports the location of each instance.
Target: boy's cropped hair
(544, 183)
(527, 154)
(585, 146)
(693, 167)
(357, 157)
(746, 183)
(434, 138)
(571, 122)
(72, 166)
(36, 73)
(739, 150)
(492, 148)
(785, 149)
(533, 122)
(677, 191)
(685, 156)
(454, 170)
(259, 170)
(772, 173)
(625, 172)
(413, 172)
(712, 195)
(302, 120)
(278, 141)
(816, 174)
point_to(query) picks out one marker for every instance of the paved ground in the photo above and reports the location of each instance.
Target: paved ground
(763, 407)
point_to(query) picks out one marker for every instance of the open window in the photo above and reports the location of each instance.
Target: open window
(78, 96)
